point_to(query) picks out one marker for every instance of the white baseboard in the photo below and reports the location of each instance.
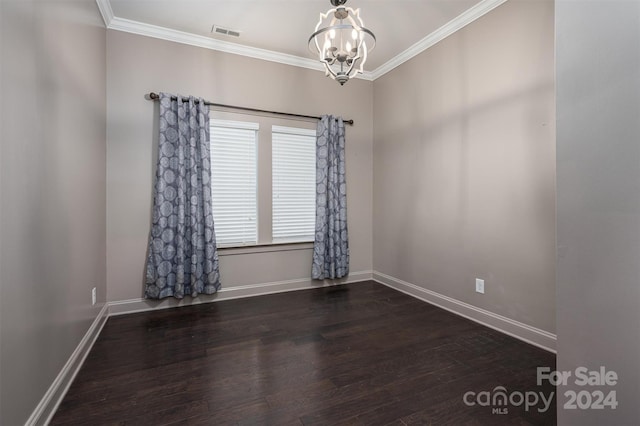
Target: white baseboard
(49, 403)
(227, 293)
(56, 392)
(532, 335)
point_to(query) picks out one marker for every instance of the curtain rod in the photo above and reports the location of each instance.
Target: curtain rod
(154, 97)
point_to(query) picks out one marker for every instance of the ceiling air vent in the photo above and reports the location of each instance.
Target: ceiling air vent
(216, 29)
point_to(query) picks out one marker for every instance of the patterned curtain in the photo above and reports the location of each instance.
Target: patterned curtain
(182, 257)
(331, 245)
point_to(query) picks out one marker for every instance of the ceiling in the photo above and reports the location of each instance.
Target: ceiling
(283, 27)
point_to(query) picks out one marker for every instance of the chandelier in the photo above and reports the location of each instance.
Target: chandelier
(340, 41)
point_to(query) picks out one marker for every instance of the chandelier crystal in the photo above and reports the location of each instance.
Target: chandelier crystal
(340, 41)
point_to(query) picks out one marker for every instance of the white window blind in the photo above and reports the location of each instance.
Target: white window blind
(233, 184)
(293, 183)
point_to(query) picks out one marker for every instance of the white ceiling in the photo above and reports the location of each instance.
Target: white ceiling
(284, 26)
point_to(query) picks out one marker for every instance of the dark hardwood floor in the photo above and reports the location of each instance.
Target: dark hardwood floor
(360, 354)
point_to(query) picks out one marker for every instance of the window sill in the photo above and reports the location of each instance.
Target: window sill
(265, 248)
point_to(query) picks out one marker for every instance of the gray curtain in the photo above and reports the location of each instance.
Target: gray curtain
(331, 244)
(182, 257)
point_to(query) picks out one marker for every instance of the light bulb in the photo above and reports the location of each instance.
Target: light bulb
(354, 34)
(348, 47)
(332, 34)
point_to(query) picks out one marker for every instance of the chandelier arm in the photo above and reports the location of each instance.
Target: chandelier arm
(348, 72)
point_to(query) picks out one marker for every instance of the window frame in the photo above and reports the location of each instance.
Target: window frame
(264, 176)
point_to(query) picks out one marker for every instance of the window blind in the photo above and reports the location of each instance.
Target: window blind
(233, 185)
(293, 184)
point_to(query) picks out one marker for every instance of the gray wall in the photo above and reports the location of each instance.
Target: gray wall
(137, 65)
(464, 165)
(598, 167)
(52, 206)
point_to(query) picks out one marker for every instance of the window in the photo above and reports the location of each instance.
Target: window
(233, 182)
(262, 193)
(293, 184)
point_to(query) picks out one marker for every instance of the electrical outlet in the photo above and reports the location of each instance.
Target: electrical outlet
(93, 296)
(479, 285)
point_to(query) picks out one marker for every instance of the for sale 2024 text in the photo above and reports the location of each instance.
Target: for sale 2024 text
(590, 397)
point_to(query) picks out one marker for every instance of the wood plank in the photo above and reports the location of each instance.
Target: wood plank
(361, 354)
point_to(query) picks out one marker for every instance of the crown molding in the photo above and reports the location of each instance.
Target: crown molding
(105, 11)
(126, 25)
(140, 28)
(438, 35)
